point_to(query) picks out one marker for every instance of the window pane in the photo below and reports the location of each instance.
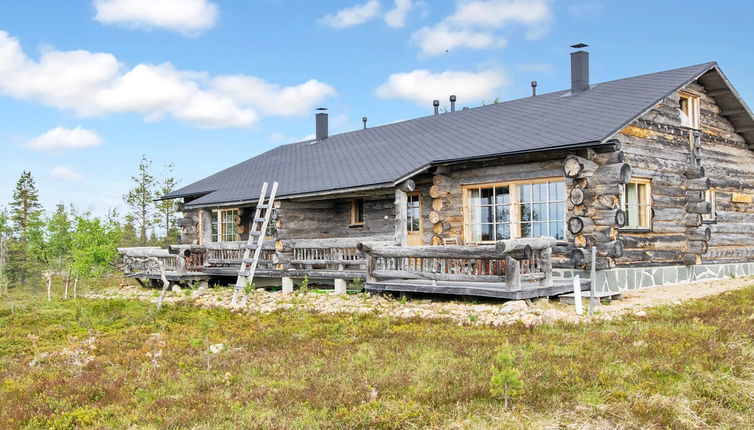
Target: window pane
(557, 191)
(503, 231)
(525, 229)
(502, 196)
(557, 230)
(539, 229)
(487, 231)
(525, 192)
(539, 192)
(488, 214)
(487, 194)
(502, 214)
(539, 211)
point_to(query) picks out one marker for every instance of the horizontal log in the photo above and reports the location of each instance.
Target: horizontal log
(577, 196)
(437, 205)
(700, 184)
(336, 242)
(610, 249)
(695, 196)
(615, 217)
(577, 224)
(612, 157)
(700, 233)
(579, 182)
(434, 217)
(575, 166)
(610, 174)
(726, 183)
(436, 192)
(145, 252)
(449, 251)
(697, 247)
(534, 243)
(578, 256)
(407, 186)
(694, 172)
(699, 207)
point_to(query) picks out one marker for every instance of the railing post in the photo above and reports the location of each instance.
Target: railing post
(180, 263)
(512, 274)
(545, 264)
(370, 263)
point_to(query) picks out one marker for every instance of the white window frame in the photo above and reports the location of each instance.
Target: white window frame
(694, 113)
(710, 196)
(221, 233)
(514, 191)
(646, 207)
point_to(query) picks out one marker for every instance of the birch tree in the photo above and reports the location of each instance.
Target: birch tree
(166, 208)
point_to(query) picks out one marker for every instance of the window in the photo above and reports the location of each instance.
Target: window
(637, 203)
(224, 225)
(413, 213)
(709, 196)
(357, 212)
(689, 110)
(515, 209)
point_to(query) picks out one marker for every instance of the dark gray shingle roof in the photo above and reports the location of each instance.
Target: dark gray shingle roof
(385, 154)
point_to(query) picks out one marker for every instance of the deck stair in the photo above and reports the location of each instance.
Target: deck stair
(253, 249)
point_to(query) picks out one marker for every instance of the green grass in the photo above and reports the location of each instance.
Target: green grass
(688, 366)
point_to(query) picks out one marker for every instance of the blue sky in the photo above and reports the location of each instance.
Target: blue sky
(88, 86)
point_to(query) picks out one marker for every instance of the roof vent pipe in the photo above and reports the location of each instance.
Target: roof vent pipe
(452, 103)
(364, 120)
(321, 124)
(533, 88)
(579, 69)
(436, 104)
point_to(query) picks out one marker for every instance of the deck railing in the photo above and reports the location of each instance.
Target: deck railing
(515, 262)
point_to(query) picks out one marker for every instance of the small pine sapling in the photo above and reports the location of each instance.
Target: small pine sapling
(357, 284)
(305, 284)
(505, 382)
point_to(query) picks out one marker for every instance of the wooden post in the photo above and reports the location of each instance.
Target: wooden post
(287, 285)
(512, 274)
(577, 294)
(545, 256)
(592, 280)
(401, 217)
(205, 220)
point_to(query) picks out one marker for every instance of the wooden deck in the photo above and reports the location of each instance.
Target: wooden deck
(474, 289)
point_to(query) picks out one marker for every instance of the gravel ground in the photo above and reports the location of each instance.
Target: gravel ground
(490, 313)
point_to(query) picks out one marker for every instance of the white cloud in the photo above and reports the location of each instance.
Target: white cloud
(189, 17)
(64, 173)
(397, 17)
(270, 98)
(94, 84)
(351, 16)
(61, 139)
(441, 38)
(498, 13)
(422, 86)
(474, 25)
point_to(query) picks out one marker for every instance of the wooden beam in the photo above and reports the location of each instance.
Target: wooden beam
(401, 217)
(732, 112)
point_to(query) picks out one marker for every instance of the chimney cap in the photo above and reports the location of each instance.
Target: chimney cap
(579, 45)
(534, 84)
(321, 108)
(452, 98)
(435, 102)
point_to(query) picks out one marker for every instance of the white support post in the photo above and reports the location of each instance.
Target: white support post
(577, 295)
(340, 286)
(287, 285)
(593, 280)
(401, 216)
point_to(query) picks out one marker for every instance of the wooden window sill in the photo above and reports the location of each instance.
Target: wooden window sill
(636, 229)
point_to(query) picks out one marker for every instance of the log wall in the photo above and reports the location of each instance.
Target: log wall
(658, 147)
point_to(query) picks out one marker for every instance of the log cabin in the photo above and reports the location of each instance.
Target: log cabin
(654, 174)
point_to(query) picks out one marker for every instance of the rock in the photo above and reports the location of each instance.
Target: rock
(176, 289)
(640, 313)
(514, 306)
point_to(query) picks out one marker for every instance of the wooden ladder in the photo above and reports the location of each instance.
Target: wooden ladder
(256, 239)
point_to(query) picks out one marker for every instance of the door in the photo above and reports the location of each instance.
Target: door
(414, 219)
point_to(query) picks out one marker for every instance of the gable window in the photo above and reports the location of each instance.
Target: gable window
(709, 196)
(514, 209)
(357, 212)
(688, 106)
(637, 203)
(225, 225)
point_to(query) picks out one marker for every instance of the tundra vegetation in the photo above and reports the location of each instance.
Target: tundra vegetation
(116, 364)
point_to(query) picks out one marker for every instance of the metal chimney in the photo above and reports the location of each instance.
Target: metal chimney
(533, 88)
(364, 120)
(579, 69)
(436, 104)
(321, 124)
(452, 103)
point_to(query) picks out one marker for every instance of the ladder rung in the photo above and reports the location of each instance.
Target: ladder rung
(255, 233)
(250, 246)
(263, 206)
(244, 273)
(247, 260)
(259, 219)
